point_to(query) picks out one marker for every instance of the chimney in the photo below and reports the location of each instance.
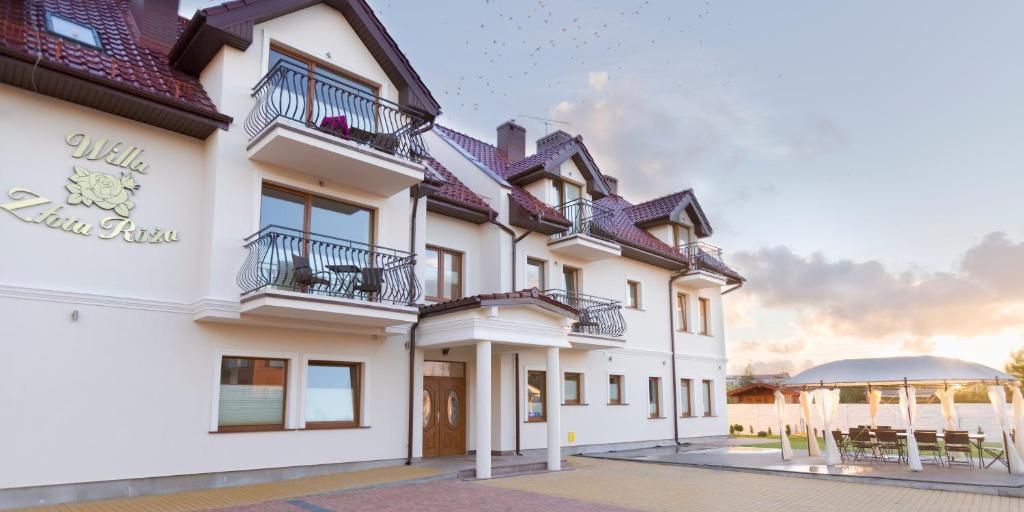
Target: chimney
(552, 139)
(613, 184)
(511, 141)
(155, 23)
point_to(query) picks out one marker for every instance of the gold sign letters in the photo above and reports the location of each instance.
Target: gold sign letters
(88, 187)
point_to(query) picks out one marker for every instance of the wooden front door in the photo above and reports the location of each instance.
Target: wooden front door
(444, 416)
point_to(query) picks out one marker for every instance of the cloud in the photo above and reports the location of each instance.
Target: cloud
(845, 298)
(597, 79)
(772, 366)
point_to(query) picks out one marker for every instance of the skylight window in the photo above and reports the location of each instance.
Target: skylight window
(73, 30)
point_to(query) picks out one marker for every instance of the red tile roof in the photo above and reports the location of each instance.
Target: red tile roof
(122, 59)
(656, 208)
(624, 230)
(454, 191)
(532, 295)
(487, 154)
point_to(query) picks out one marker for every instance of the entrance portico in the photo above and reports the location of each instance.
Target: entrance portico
(500, 323)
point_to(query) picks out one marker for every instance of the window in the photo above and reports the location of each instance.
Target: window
(252, 394)
(335, 92)
(615, 390)
(703, 312)
(707, 398)
(314, 214)
(443, 274)
(681, 310)
(332, 394)
(562, 193)
(535, 273)
(654, 397)
(77, 32)
(573, 389)
(686, 407)
(682, 235)
(633, 294)
(536, 407)
(572, 280)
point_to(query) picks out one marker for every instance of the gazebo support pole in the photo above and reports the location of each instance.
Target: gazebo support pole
(1006, 447)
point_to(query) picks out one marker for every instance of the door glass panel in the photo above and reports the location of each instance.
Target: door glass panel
(452, 274)
(431, 262)
(571, 284)
(572, 192)
(428, 409)
(282, 208)
(340, 220)
(290, 85)
(453, 408)
(338, 95)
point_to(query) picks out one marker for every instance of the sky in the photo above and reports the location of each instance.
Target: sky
(860, 162)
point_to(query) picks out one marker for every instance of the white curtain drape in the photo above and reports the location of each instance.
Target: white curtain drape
(1018, 419)
(908, 412)
(805, 410)
(945, 397)
(998, 398)
(874, 399)
(828, 402)
(780, 408)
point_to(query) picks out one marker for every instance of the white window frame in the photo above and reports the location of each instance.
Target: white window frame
(291, 412)
(364, 385)
(583, 385)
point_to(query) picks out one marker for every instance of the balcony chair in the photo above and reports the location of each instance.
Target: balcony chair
(304, 277)
(371, 280)
(928, 441)
(958, 441)
(842, 442)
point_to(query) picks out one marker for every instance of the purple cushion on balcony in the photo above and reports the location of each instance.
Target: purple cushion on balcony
(336, 123)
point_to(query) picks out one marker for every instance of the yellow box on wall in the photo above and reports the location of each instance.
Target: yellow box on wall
(572, 436)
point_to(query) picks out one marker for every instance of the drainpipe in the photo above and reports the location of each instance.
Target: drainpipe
(734, 288)
(672, 346)
(515, 241)
(417, 195)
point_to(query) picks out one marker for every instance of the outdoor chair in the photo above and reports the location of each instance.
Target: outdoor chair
(371, 280)
(304, 277)
(889, 444)
(928, 441)
(958, 441)
(884, 427)
(841, 443)
(862, 444)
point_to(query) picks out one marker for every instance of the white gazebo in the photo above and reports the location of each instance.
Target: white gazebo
(821, 384)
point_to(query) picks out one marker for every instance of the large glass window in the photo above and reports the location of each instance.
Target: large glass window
(682, 312)
(443, 276)
(654, 397)
(571, 277)
(332, 394)
(615, 390)
(319, 215)
(252, 394)
(534, 274)
(536, 396)
(573, 388)
(686, 407)
(707, 398)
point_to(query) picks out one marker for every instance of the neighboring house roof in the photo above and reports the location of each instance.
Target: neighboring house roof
(451, 191)
(663, 209)
(761, 386)
(529, 297)
(124, 78)
(232, 24)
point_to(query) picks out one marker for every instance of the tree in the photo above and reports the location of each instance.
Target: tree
(1016, 365)
(748, 376)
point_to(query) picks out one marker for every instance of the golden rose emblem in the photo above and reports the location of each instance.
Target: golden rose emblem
(107, 191)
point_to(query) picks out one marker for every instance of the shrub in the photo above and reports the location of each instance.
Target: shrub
(788, 431)
(737, 427)
(769, 431)
(732, 430)
(762, 434)
(751, 429)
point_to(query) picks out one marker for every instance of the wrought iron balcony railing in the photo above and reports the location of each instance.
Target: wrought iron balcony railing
(281, 258)
(598, 316)
(586, 217)
(702, 255)
(331, 106)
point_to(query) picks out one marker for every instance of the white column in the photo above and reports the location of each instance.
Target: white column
(483, 409)
(554, 409)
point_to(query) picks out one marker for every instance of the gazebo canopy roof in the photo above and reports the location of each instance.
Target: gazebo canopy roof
(918, 370)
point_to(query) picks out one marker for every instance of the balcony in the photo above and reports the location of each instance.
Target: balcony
(707, 269)
(599, 318)
(309, 277)
(317, 125)
(584, 240)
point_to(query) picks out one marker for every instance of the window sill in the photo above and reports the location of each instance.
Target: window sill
(535, 421)
(617, 404)
(249, 431)
(657, 418)
(687, 416)
(573, 405)
(709, 416)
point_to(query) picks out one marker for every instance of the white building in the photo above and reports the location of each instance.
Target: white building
(224, 235)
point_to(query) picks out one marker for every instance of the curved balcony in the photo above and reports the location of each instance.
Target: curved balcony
(585, 240)
(598, 316)
(707, 268)
(308, 276)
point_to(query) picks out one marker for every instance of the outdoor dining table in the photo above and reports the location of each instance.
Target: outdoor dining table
(978, 440)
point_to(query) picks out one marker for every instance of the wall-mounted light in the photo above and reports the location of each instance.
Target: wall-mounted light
(444, 351)
(74, 316)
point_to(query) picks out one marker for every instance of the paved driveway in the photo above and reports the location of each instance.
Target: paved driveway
(605, 485)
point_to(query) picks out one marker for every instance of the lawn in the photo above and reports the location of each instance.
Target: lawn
(799, 443)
